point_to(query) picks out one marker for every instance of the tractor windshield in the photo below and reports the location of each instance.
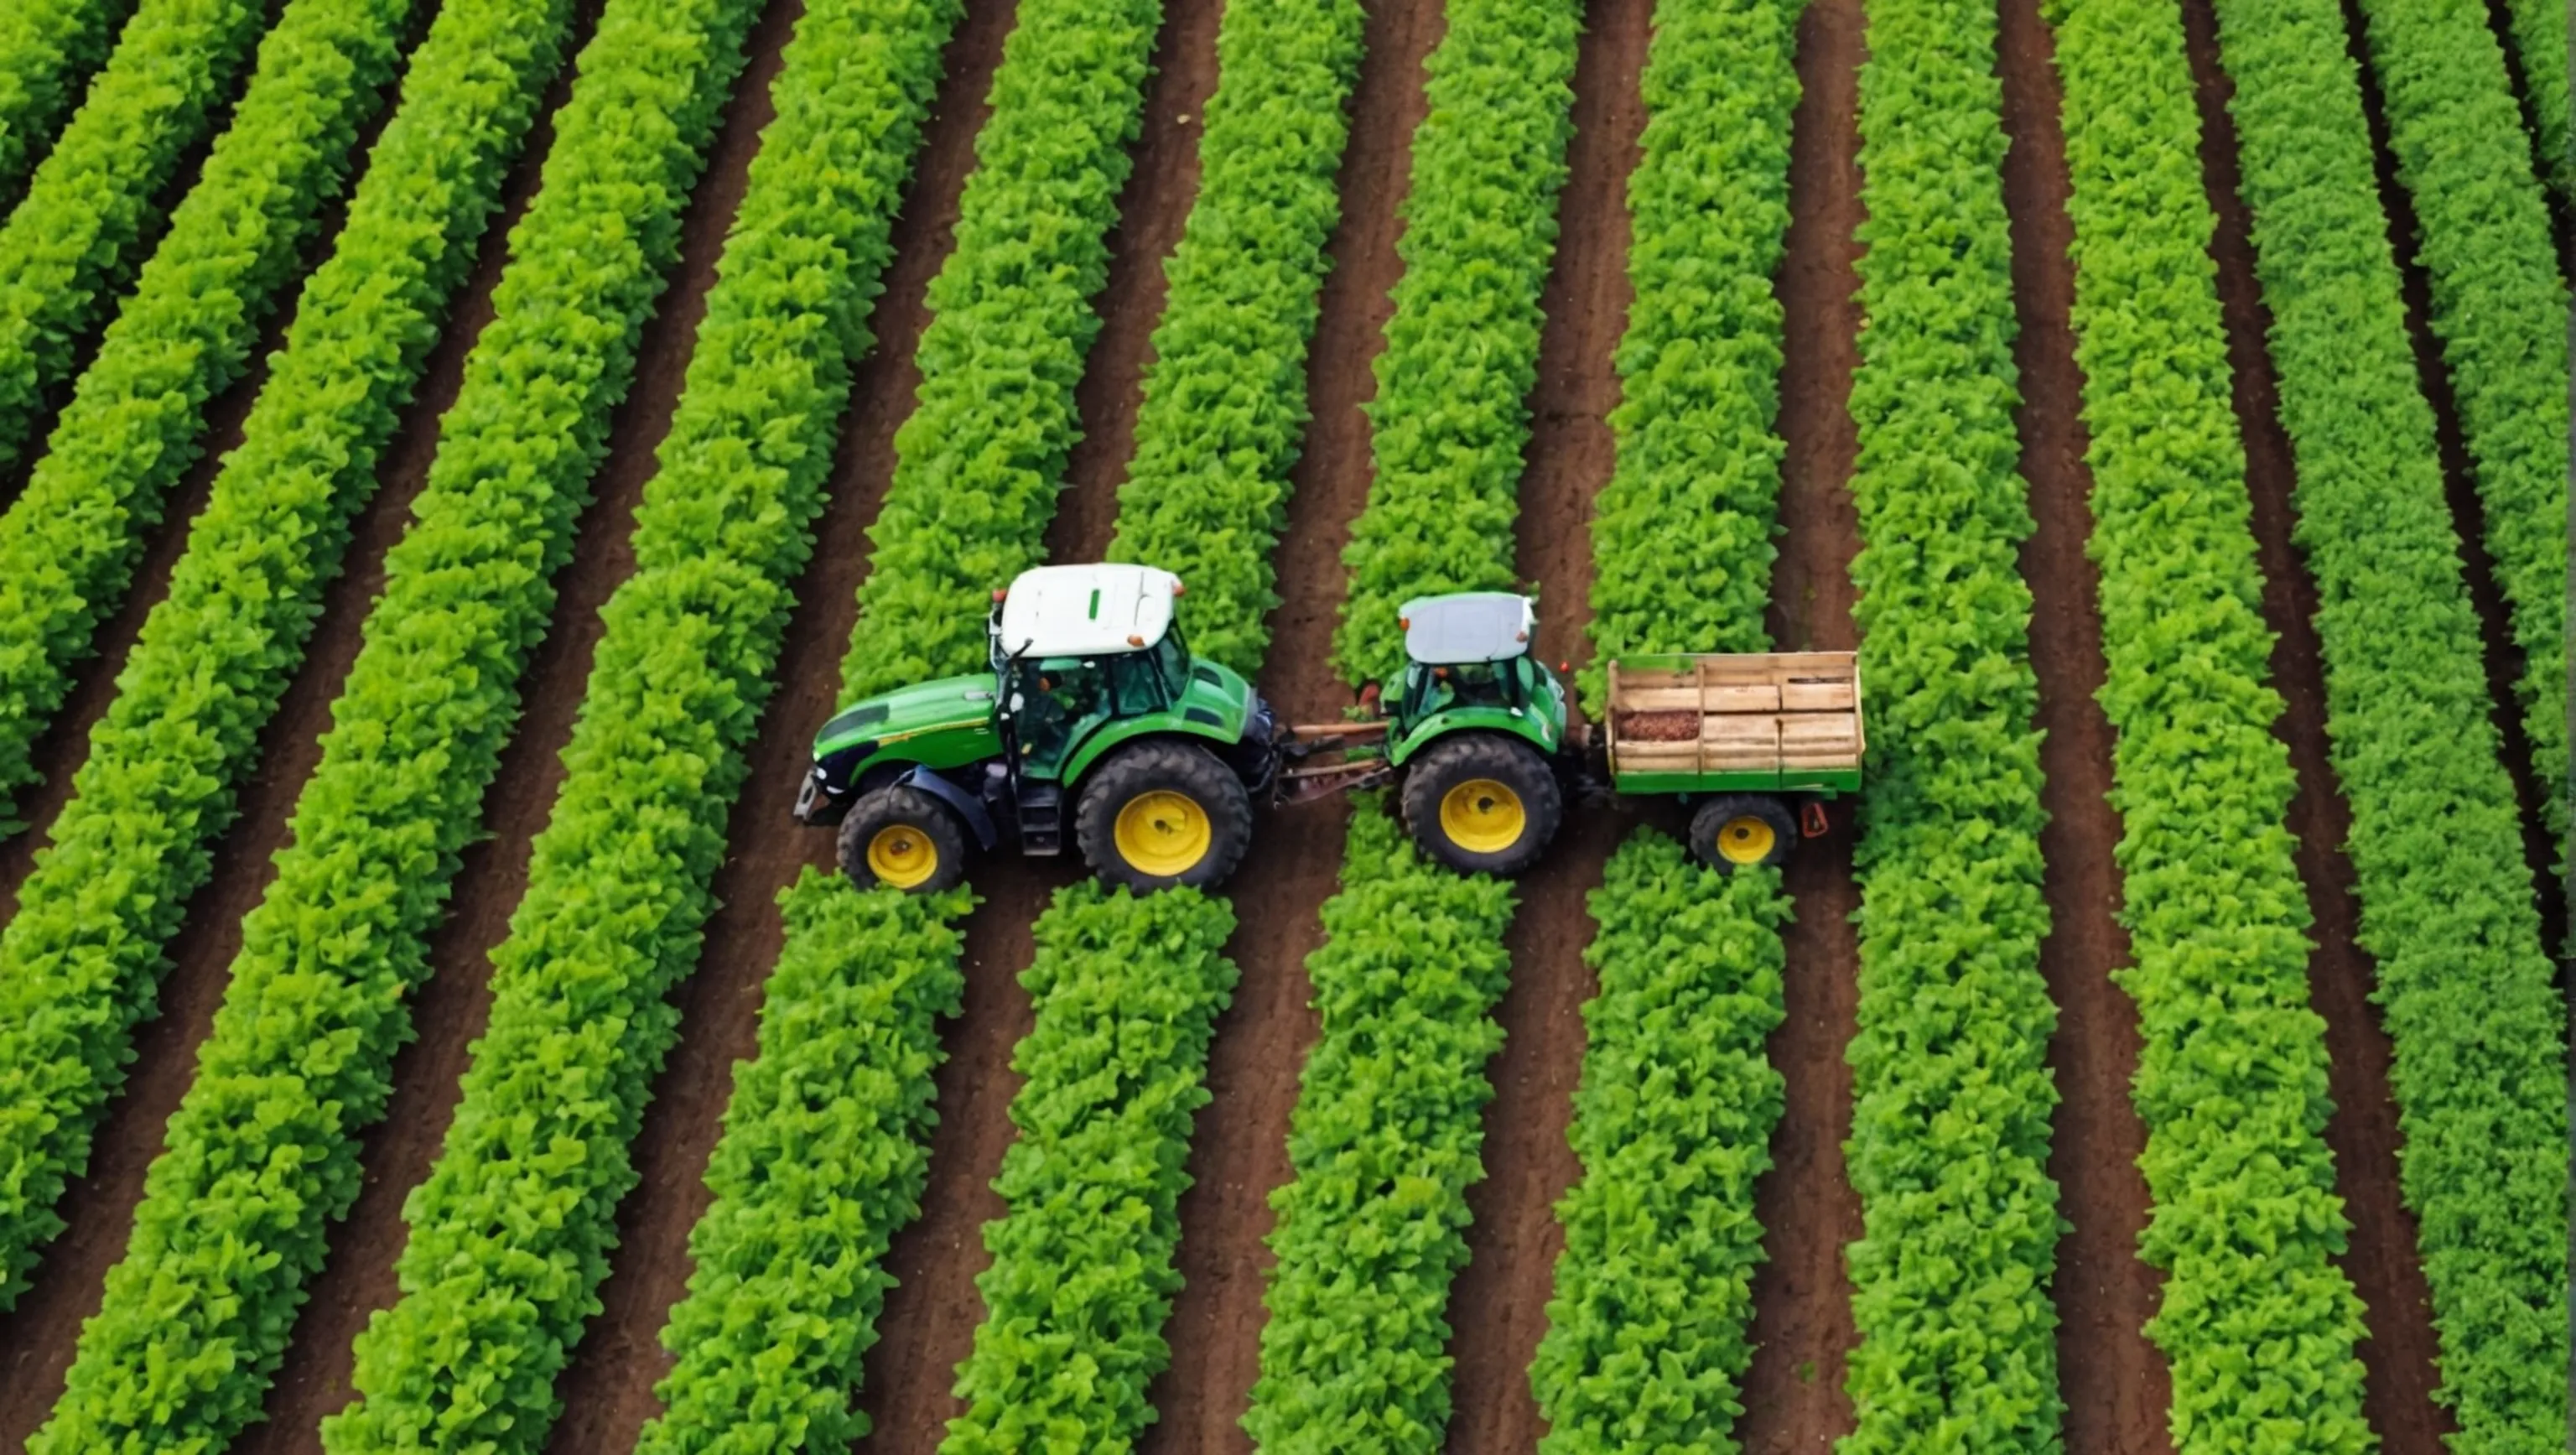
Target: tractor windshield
(1429, 690)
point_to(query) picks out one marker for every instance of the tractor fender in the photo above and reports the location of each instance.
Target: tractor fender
(979, 822)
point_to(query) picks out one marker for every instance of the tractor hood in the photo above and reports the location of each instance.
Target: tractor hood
(950, 704)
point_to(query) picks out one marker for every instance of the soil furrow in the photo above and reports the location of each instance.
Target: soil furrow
(41, 1331)
(608, 1388)
(2114, 1381)
(1498, 1307)
(2399, 1357)
(1802, 1320)
(931, 1314)
(451, 1007)
(1239, 1152)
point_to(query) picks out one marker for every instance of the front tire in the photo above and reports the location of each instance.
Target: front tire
(1742, 830)
(1481, 803)
(905, 839)
(1162, 813)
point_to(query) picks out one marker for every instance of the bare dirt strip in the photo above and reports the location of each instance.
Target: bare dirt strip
(1802, 1321)
(2113, 1380)
(450, 1010)
(40, 1332)
(1239, 1150)
(1498, 1307)
(931, 1315)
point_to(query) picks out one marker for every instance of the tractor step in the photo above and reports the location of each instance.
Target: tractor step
(1041, 815)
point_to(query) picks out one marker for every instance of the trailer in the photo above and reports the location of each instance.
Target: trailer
(1759, 741)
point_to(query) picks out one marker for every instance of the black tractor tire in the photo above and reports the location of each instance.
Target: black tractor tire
(1742, 830)
(1171, 792)
(1457, 765)
(901, 823)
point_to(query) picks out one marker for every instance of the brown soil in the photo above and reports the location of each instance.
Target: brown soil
(451, 1008)
(2113, 1380)
(42, 1329)
(2399, 1357)
(906, 1391)
(1498, 1307)
(1802, 1319)
(1240, 1150)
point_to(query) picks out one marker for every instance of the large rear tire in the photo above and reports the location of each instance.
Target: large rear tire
(905, 839)
(1482, 803)
(1742, 830)
(1161, 813)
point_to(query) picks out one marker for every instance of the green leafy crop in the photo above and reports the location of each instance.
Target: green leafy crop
(80, 961)
(2258, 1325)
(1951, 1092)
(1127, 993)
(47, 53)
(1452, 413)
(2463, 980)
(70, 244)
(824, 1155)
(1645, 1347)
(1383, 1142)
(69, 543)
(2500, 311)
(1225, 398)
(979, 462)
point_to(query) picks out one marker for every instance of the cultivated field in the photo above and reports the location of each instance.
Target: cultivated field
(455, 455)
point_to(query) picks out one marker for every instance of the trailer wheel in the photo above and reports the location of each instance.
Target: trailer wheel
(904, 838)
(1163, 812)
(1482, 803)
(1740, 830)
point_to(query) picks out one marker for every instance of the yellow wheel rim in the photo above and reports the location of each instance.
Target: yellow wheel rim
(1746, 839)
(1163, 833)
(902, 856)
(1482, 816)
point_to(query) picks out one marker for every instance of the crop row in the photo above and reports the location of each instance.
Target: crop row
(1383, 1142)
(1452, 411)
(980, 461)
(1082, 1278)
(620, 893)
(2500, 311)
(823, 1157)
(1646, 1339)
(1225, 398)
(2462, 975)
(68, 544)
(2540, 42)
(80, 959)
(2257, 1324)
(1013, 304)
(1127, 989)
(1951, 1091)
(47, 53)
(1682, 530)
(70, 243)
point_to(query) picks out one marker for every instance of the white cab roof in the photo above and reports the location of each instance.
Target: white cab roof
(1087, 611)
(1476, 626)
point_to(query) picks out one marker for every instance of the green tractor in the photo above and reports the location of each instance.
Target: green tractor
(1094, 707)
(1477, 741)
(1093, 717)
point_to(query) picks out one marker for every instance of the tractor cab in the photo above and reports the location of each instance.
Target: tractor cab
(1468, 666)
(1092, 721)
